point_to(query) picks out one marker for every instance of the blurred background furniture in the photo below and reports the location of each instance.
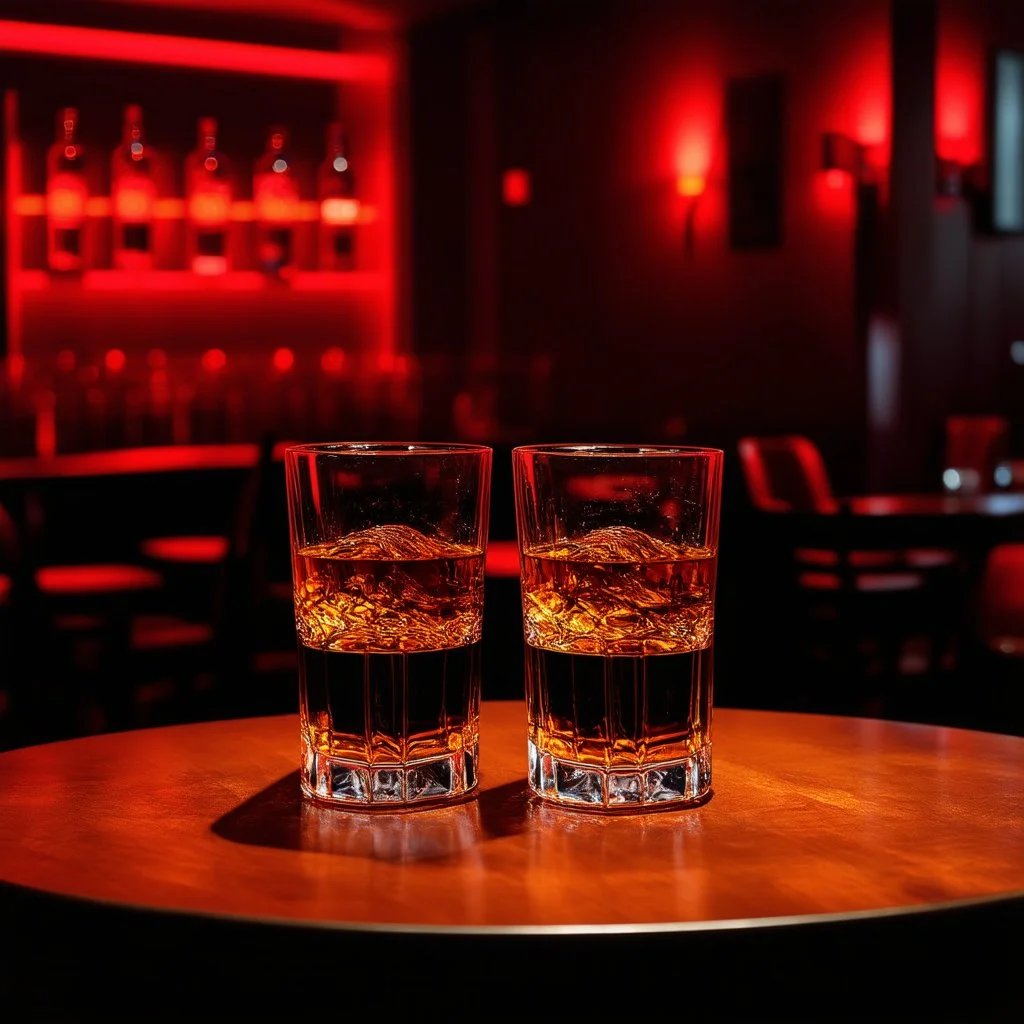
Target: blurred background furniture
(874, 615)
(976, 446)
(998, 668)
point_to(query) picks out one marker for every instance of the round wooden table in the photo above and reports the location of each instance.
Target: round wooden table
(836, 858)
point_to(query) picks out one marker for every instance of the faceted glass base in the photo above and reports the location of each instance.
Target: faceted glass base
(342, 782)
(674, 783)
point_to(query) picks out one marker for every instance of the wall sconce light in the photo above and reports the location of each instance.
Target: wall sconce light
(840, 156)
(690, 187)
(516, 187)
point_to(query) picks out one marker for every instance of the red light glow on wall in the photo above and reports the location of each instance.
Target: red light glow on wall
(134, 203)
(332, 361)
(115, 360)
(339, 211)
(283, 360)
(690, 185)
(66, 204)
(214, 360)
(209, 208)
(959, 90)
(693, 160)
(836, 179)
(516, 187)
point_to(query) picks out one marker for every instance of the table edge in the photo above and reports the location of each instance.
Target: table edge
(639, 929)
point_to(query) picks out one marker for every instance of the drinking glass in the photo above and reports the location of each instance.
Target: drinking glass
(388, 542)
(618, 551)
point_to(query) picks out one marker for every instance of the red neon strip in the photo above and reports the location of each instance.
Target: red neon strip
(169, 208)
(132, 460)
(189, 281)
(188, 52)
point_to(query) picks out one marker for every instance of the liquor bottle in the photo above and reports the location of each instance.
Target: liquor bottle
(276, 196)
(66, 194)
(339, 206)
(133, 192)
(208, 188)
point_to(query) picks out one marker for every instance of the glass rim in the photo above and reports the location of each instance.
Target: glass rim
(387, 448)
(606, 450)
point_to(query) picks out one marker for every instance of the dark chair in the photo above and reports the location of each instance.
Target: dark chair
(975, 446)
(96, 633)
(870, 614)
(254, 611)
(997, 699)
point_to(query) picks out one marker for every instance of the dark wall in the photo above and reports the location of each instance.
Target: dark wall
(605, 104)
(983, 296)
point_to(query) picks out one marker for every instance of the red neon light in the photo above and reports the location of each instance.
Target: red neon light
(690, 185)
(65, 203)
(502, 559)
(284, 360)
(214, 359)
(959, 107)
(188, 52)
(339, 211)
(115, 360)
(171, 458)
(836, 178)
(46, 425)
(134, 203)
(200, 549)
(169, 208)
(210, 207)
(333, 360)
(693, 156)
(276, 209)
(95, 579)
(516, 187)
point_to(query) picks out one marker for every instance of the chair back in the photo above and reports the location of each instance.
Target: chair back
(974, 446)
(785, 473)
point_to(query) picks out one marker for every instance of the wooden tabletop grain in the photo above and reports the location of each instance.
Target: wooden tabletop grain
(811, 817)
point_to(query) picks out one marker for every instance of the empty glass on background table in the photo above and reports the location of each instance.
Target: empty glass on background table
(618, 552)
(388, 542)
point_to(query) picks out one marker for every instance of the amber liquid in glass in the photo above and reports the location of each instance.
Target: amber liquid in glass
(619, 628)
(389, 626)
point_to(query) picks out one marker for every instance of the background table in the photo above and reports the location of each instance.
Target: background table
(837, 857)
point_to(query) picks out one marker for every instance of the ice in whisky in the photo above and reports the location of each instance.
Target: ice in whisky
(389, 621)
(619, 628)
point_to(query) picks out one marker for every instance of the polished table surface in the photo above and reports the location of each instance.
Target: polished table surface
(810, 815)
(812, 819)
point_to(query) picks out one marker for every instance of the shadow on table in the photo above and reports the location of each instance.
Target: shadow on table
(280, 817)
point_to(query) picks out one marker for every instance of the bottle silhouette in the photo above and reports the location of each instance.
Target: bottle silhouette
(339, 207)
(208, 189)
(66, 194)
(276, 198)
(133, 192)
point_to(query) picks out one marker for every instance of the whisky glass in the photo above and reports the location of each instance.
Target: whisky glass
(388, 542)
(618, 552)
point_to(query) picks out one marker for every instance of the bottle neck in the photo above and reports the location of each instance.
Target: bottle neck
(206, 140)
(67, 128)
(337, 144)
